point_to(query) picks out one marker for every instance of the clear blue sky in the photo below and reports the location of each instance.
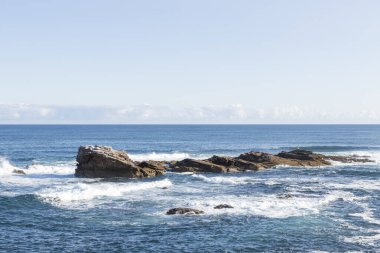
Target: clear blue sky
(190, 61)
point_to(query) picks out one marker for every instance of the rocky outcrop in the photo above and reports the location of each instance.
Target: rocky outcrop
(16, 171)
(98, 161)
(105, 162)
(183, 210)
(223, 206)
(260, 160)
(191, 165)
(285, 196)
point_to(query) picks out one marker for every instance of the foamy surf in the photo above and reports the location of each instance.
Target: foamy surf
(367, 185)
(59, 169)
(233, 180)
(269, 206)
(159, 156)
(69, 195)
(175, 156)
(371, 239)
(372, 155)
(6, 168)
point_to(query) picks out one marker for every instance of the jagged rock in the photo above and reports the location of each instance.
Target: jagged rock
(222, 206)
(260, 160)
(155, 165)
(104, 162)
(291, 158)
(285, 196)
(256, 157)
(154, 168)
(183, 210)
(233, 163)
(21, 172)
(191, 165)
(299, 154)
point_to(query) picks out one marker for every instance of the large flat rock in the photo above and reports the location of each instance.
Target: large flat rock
(105, 162)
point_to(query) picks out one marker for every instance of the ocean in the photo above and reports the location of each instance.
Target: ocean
(332, 209)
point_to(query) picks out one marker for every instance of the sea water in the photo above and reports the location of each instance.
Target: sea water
(330, 209)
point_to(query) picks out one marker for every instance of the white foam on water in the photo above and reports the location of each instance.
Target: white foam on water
(269, 206)
(36, 176)
(159, 156)
(6, 168)
(60, 169)
(372, 155)
(367, 215)
(67, 195)
(174, 156)
(366, 239)
(361, 184)
(182, 173)
(224, 179)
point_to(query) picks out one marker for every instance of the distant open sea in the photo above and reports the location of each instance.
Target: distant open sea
(333, 209)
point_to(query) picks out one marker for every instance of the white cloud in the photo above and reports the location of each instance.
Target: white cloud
(233, 113)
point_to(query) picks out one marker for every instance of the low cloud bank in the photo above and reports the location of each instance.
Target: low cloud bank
(145, 114)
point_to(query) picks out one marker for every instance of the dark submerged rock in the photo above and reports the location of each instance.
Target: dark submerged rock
(21, 172)
(183, 210)
(285, 196)
(222, 206)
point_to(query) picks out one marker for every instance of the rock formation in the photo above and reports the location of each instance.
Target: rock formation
(261, 160)
(183, 210)
(98, 161)
(16, 171)
(104, 162)
(223, 206)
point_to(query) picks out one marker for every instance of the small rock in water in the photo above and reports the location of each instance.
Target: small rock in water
(222, 206)
(285, 196)
(182, 210)
(165, 188)
(21, 172)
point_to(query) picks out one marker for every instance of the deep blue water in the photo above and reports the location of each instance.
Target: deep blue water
(333, 209)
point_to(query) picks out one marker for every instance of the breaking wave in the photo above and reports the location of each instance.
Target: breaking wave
(6, 168)
(65, 195)
(269, 206)
(224, 179)
(159, 156)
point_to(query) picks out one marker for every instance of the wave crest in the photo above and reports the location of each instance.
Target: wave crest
(66, 195)
(159, 156)
(6, 167)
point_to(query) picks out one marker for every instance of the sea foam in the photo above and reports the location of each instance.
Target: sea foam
(224, 179)
(6, 168)
(159, 156)
(67, 195)
(268, 205)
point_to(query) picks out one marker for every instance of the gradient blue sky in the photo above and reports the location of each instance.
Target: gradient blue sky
(190, 61)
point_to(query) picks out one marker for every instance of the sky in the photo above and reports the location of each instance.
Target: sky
(214, 61)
